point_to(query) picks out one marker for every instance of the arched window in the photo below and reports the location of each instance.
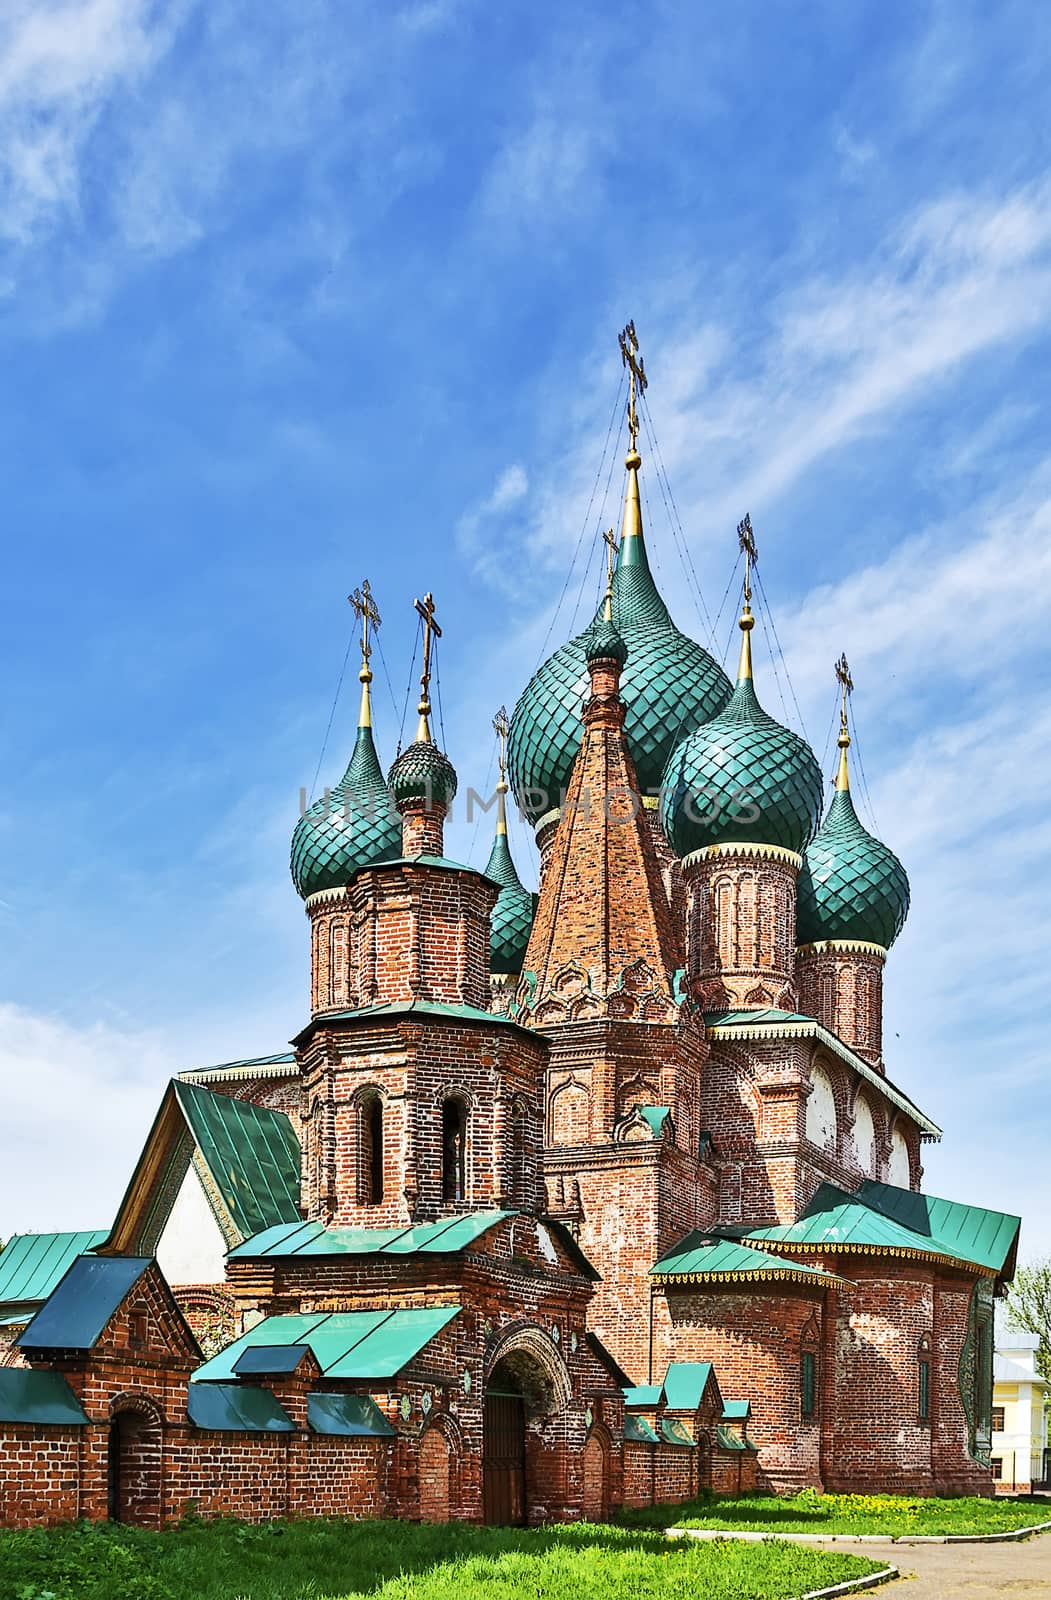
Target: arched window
(372, 1150)
(454, 1150)
(519, 1154)
(821, 1109)
(337, 964)
(923, 1381)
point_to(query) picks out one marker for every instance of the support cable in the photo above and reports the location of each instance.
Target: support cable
(791, 688)
(595, 535)
(408, 687)
(332, 713)
(676, 521)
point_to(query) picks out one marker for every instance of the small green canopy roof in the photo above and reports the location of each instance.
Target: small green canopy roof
(354, 1416)
(702, 1255)
(730, 1440)
(236, 1408)
(637, 1430)
(40, 1398)
(643, 1394)
(77, 1311)
(251, 1152)
(448, 1236)
(31, 1264)
(345, 1344)
(674, 1431)
(685, 1383)
(737, 1410)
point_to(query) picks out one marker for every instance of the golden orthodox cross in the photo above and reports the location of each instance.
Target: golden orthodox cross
(431, 631)
(367, 614)
(502, 728)
(846, 684)
(746, 540)
(637, 379)
(609, 539)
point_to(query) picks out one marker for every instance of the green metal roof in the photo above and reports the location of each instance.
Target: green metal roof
(421, 772)
(251, 1152)
(700, 1255)
(270, 1360)
(972, 1233)
(637, 1430)
(670, 685)
(764, 1015)
(236, 1408)
(448, 1236)
(883, 1217)
(737, 1410)
(741, 778)
(78, 1309)
(346, 1344)
(512, 915)
(730, 1440)
(355, 1416)
(353, 826)
(675, 1432)
(643, 1394)
(655, 1117)
(38, 1397)
(684, 1384)
(231, 1069)
(412, 1008)
(31, 1264)
(851, 885)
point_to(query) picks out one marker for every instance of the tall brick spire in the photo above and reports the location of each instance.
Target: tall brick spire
(603, 943)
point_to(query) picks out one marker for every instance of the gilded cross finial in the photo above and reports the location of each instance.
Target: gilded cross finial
(502, 728)
(431, 631)
(846, 685)
(637, 379)
(746, 622)
(365, 610)
(609, 539)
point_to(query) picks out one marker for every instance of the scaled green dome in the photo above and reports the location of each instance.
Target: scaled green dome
(423, 772)
(352, 826)
(741, 778)
(512, 919)
(851, 885)
(670, 685)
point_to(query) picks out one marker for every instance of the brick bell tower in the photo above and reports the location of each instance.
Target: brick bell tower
(602, 981)
(417, 1100)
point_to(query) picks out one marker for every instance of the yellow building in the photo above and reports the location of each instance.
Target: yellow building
(1019, 1414)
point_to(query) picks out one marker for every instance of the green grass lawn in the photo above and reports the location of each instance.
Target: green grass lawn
(400, 1561)
(893, 1515)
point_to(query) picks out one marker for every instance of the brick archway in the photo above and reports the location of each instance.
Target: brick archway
(595, 1503)
(439, 1448)
(134, 1452)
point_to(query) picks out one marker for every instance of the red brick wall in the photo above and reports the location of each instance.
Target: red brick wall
(39, 1474)
(742, 929)
(843, 989)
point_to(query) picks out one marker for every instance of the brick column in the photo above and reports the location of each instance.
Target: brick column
(422, 828)
(742, 926)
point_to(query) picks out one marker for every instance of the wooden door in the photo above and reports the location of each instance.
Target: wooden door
(503, 1460)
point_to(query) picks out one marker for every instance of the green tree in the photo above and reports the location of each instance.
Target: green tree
(1029, 1308)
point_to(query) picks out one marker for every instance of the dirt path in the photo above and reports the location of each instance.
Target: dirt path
(970, 1571)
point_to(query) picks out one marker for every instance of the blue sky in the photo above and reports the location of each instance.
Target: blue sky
(295, 294)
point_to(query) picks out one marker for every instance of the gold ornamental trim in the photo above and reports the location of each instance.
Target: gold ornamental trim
(322, 897)
(824, 1280)
(902, 1252)
(753, 851)
(842, 946)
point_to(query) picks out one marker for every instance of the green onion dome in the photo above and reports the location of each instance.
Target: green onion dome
(670, 684)
(352, 826)
(422, 772)
(604, 643)
(851, 886)
(742, 778)
(512, 918)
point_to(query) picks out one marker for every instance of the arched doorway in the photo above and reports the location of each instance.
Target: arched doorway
(435, 1463)
(528, 1386)
(594, 1507)
(133, 1465)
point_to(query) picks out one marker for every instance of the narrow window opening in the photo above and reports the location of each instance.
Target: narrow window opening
(454, 1143)
(808, 1384)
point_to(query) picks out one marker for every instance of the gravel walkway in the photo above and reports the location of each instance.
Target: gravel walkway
(962, 1571)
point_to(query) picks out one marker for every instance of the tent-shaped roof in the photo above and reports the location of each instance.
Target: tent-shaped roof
(345, 1344)
(32, 1264)
(75, 1314)
(685, 1383)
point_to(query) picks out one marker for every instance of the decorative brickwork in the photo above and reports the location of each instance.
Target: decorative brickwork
(742, 926)
(841, 984)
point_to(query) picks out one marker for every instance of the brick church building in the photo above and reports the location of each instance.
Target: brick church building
(556, 1203)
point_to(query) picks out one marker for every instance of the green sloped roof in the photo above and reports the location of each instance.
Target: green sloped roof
(737, 1410)
(684, 1384)
(448, 1236)
(972, 1233)
(700, 1255)
(40, 1398)
(851, 885)
(675, 1432)
(236, 1408)
(280, 1058)
(730, 1440)
(744, 1019)
(512, 916)
(31, 1264)
(883, 1217)
(78, 1309)
(741, 778)
(354, 1416)
(345, 1344)
(637, 1430)
(643, 1394)
(412, 1008)
(251, 1152)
